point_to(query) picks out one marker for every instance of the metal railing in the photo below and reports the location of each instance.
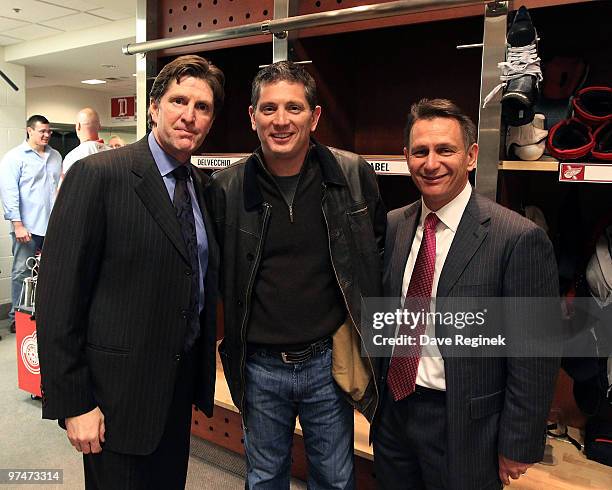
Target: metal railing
(279, 27)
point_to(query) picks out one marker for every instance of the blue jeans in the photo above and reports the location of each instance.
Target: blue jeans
(275, 394)
(21, 253)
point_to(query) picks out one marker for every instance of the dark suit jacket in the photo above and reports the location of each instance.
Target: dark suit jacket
(494, 405)
(113, 285)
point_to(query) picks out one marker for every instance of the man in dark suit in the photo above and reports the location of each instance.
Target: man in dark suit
(450, 421)
(127, 293)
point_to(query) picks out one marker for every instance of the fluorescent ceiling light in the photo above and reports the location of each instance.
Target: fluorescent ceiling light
(93, 81)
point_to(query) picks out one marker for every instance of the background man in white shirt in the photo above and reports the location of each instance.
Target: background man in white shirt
(87, 127)
(451, 422)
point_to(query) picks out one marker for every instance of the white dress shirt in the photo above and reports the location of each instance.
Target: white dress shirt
(431, 366)
(28, 184)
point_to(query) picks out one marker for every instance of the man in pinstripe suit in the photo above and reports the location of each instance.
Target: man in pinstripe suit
(127, 293)
(450, 422)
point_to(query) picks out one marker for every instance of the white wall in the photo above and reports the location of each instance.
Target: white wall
(61, 104)
(12, 133)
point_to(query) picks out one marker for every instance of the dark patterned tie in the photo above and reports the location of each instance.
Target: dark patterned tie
(404, 366)
(184, 214)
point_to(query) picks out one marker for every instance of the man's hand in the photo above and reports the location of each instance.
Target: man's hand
(86, 431)
(511, 469)
(22, 235)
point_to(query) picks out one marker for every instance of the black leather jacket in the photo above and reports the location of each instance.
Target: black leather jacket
(356, 222)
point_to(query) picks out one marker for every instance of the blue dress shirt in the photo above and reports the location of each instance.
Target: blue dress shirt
(28, 184)
(166, 164)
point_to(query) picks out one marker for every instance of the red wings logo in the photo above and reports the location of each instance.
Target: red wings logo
(29, 353)
(571, 173)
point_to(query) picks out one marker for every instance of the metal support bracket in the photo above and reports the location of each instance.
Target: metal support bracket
(281, 41)
(493, 51)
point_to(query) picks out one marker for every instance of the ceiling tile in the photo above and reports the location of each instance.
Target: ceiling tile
(112, 14)
(5, 40)
(32, 31)
(6, 23)
(70, 67)
(82, 5)
(31, 10)
(75, 22)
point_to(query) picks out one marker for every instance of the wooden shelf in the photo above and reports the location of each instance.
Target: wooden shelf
(222, 393)
(589, 173)
(382, 164)
(535, 166)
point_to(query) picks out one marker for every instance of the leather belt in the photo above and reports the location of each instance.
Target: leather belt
(302, 355)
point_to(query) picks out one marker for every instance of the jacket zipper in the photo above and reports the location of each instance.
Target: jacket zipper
(331, 259)
(288, 204)
(246, 309)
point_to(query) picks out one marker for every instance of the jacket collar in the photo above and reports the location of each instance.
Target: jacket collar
(330, 169)
(142, 158)
(330, 172)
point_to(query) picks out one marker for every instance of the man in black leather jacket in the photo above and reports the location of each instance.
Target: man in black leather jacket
(301, 229)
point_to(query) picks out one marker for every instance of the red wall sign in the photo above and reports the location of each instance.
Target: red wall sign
(123, 108)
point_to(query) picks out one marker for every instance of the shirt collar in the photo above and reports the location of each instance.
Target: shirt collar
(165, 163)
(25, 146)
(451, 213)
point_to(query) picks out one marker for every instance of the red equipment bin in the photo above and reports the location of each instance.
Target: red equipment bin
(28, 368)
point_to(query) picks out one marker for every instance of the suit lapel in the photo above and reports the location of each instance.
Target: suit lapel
(403, 242)
(152, 191)
(473, 229)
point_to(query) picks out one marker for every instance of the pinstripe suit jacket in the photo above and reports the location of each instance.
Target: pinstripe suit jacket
(494, 405)
(112, 289)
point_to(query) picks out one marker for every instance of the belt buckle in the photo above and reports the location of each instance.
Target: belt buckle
(286, 360)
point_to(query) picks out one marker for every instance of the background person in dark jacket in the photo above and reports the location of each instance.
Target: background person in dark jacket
(300, 227)
(127, 293)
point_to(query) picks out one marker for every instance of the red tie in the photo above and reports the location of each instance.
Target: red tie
(404, 366)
